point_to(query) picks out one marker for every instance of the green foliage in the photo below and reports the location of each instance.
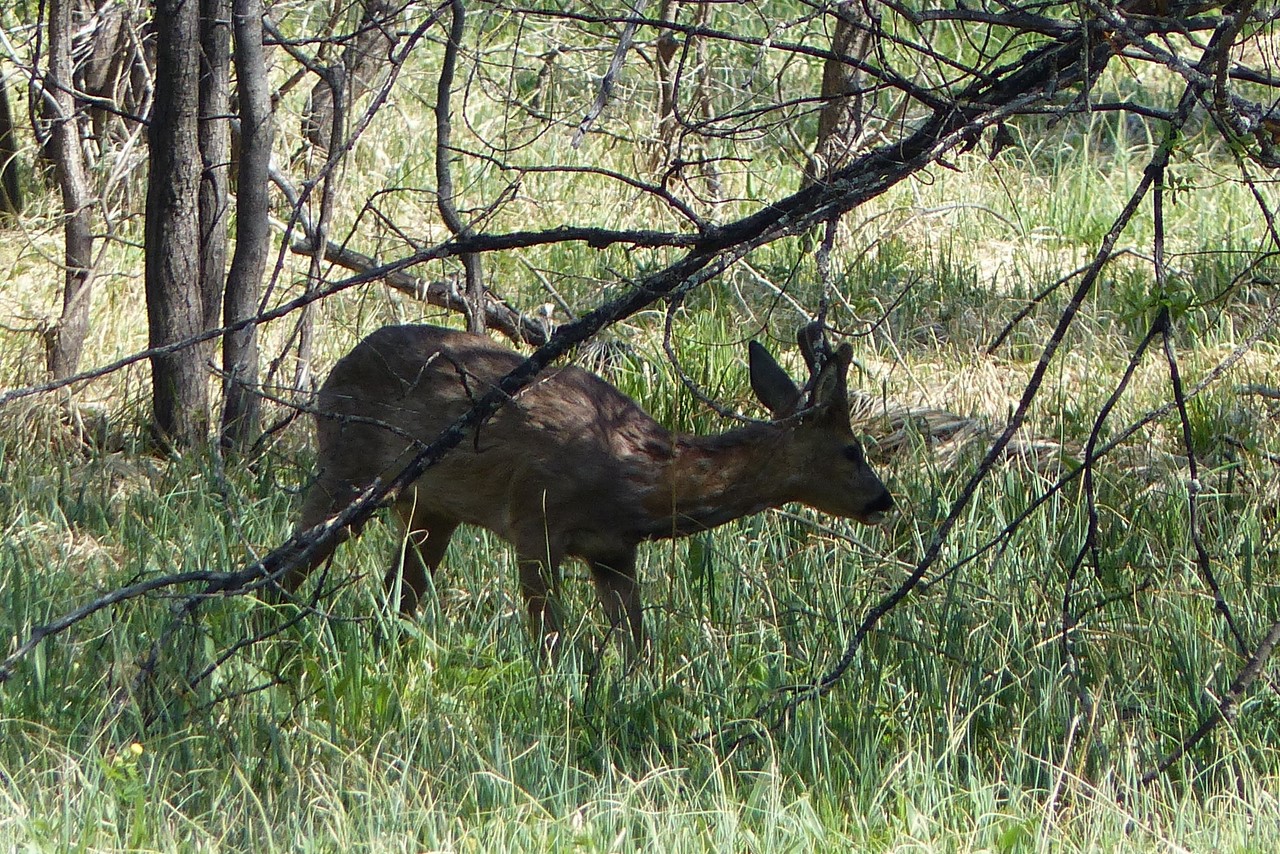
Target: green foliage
(357, 728)
(968, 721)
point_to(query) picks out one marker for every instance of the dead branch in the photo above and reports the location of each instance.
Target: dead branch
(1226, 708)
(443, 293)
(474, 293)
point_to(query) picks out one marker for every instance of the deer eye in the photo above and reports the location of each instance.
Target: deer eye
(853, 453)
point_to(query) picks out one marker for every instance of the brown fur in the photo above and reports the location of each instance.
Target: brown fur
(570, 467)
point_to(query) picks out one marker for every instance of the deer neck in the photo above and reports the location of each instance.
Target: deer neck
(710, 480)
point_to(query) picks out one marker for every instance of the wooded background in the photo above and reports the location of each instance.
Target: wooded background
(263, 181)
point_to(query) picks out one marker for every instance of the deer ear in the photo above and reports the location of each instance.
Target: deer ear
(812, 342)
(770, 382)
(830, 389)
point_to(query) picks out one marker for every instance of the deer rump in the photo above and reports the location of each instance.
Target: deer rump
(569, 467)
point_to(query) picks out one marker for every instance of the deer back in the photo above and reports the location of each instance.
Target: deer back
(569, 449)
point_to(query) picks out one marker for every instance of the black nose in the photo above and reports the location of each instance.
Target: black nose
(882, 504)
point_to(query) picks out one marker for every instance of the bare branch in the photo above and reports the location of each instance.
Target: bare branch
(1226, 708)
(474, 294)
(610, 78)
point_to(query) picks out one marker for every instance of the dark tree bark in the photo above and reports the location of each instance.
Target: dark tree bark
(215, 100)
(66, 340)
(841, 118)
(667, 52)
(10, 188)
(253, 235)
(684, 84)
(114, 65)
(175, 304)
(474, 292)
(363, 60)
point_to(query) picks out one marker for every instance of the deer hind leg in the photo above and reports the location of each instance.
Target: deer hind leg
(619, 593)
(424, 538)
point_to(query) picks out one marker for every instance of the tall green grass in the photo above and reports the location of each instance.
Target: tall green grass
(962, 725)
(958, 727)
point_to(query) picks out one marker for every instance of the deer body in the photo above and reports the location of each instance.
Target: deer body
(570, 467)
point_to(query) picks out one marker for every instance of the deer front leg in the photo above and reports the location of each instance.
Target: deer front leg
(539, 580)
(619, 593)
(325, 498)
(424, 538)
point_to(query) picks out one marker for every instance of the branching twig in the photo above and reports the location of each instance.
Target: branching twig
(1040, 297)
(610, 78)
(1069, 619)
(445, 194)
(518, 327)
(1226, 707)
(1203, 563)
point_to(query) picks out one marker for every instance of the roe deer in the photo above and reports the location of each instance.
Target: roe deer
(571, 466)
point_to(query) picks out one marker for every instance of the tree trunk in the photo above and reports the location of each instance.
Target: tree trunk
(215, 83)
(175, 305)
(10, 189)
(474, 291)
(253, 230)
(840, 120)
(113, 69)
(667, 47)
(323, 125)
(684, 87)
(363, 60)
(66, 340)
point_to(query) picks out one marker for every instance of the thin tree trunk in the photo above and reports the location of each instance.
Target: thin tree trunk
(175, 304)
(66, 340)
(668, 85)
(215, 83)
(112, 70)
(684, 92)
(362, 61)
(324, 124)
(840, 120)
(10, 188)
(253, 234)
(328, 192)
(474, 291)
